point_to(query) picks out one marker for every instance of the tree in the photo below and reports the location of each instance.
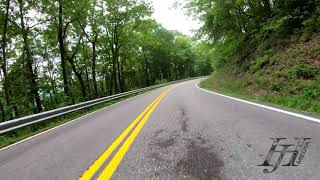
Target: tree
(6, 81)
(58, 53)
(91, 22)
(123, 18)
(27, 55)
(65, 20)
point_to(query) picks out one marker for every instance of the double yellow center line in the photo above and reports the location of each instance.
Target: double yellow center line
(110, 168)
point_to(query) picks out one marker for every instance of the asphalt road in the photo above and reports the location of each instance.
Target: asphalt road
(190, 134)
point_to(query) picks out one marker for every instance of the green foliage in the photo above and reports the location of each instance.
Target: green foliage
(302, 71)
(160, 81)
(311, 92)
(263, 50)
(69, 51)
(277, 85)
(237, 27)
(278, 25)
(307, 100)
(259, 63)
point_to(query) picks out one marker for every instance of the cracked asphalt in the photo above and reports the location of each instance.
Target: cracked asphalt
(191, 134)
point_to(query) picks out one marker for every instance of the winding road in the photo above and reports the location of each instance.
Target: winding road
(176, 132)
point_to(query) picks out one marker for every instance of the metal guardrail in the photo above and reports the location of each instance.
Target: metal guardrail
(35, 118)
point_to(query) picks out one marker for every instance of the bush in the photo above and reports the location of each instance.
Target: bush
(259, 63)
(161, 81)
(278, 85)
(311, 92)
(302, 71)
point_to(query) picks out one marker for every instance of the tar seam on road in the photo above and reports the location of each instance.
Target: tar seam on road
(263, 106)
(136, 125)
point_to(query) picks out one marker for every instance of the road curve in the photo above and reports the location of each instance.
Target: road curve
(189, 134)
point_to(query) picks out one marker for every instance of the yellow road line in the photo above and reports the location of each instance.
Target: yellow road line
(113, 164)
(98, 163)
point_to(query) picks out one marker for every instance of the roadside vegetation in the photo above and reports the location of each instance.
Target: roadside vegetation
(263, 50)
(61, 52)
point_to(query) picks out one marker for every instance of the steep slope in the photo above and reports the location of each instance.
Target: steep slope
(287, 75)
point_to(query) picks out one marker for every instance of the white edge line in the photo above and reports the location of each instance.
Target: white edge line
(263, 106)
(68, 122)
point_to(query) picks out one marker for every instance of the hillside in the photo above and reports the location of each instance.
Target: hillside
(290, 77)
(262, 50)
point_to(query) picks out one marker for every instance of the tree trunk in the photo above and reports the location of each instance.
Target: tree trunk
(118, 70)
(2, 113)
(79, 76)
(87, 78)
(114, 72)
(52, 99)
(62, 51)
(111, 89)
(146, 70)
(83, 88)
(29, 62)
(93, 68)
(6, 83)
(176, 71)
(122, 76)
(107, 88)
(113, 83)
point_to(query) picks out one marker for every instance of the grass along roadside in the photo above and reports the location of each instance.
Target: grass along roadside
(28, 131)
(237, 88)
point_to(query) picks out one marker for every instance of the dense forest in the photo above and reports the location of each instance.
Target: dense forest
(56, 53)
(266, 50)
